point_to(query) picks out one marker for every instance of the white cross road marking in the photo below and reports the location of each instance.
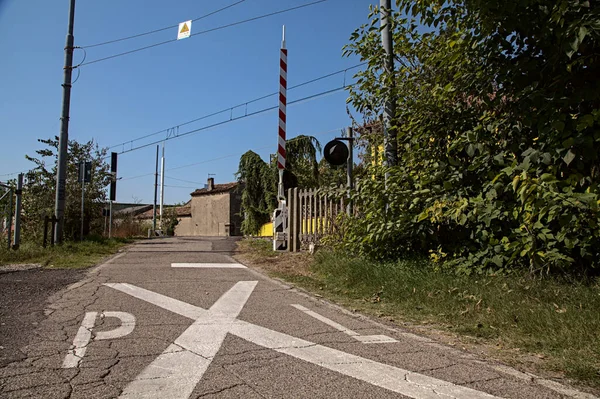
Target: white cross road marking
(84, 335)
(365, 339)
(209, 265)
(211, 326)
(176, 372)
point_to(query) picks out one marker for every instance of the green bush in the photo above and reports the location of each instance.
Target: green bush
(498, 131)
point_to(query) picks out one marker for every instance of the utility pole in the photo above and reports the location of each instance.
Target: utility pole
(113, 190)
(349, 168)
(162, 184)
(389, 112)
(18, 205)
(82, 177)
(10, 217)
(61, 172)
(9, 194)
(155, 188)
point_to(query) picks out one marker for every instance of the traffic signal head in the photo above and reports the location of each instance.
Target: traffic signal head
(336, 152)
(113, 171)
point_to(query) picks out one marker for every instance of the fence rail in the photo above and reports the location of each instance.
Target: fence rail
(311, 216)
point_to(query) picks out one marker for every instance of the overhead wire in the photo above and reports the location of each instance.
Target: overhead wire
(161, 29)
(182, 180)
(203, 32)
(304, 99)
(216, 159)
(189, 187)
(129, 142)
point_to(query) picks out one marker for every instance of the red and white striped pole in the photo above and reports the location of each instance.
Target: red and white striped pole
(282, 116)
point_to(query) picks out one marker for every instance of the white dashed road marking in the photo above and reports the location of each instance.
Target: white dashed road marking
(209, 265)
(365, 339)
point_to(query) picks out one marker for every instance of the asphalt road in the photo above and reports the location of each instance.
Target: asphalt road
(179, 318)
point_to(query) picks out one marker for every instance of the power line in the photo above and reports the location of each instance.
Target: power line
(161, 29)
(216, 159)
(324, 93)
(182, 180)
(229, 109)
(138, 176)
(166, 185)
(203, 32)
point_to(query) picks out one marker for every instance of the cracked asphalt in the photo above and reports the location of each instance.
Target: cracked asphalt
(269, 349)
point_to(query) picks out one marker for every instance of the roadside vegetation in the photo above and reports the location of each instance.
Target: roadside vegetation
(548, 325)
(69, 255)
(488, 225)
(38, 203)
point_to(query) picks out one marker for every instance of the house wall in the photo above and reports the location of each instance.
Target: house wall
(211, 215)
(184, 227)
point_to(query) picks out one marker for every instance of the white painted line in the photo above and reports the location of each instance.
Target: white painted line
(177, 371)
(365, 339)
(209, 265)
(200, 343)
(375, 339)
(82, 339)
(382, 375)
(162, 301)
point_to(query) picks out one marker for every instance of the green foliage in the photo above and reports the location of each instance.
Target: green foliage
(301, 160)
(512, 311)
(498, 123)
(39, 190)
(259, 197)
(73, 254)
(171, 220)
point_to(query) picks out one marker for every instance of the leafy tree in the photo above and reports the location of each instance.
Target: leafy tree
(301, 160)
(259, 197)
(498, 126)
(39, 190)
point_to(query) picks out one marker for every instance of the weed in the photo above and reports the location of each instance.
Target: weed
(71, 254)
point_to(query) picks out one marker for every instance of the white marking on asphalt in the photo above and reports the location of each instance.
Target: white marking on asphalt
(177, 371)
(84, 335)
(365, 339)
(126, 327)
(210, 265)
(82, 339)
(215, 323)
(382, 375)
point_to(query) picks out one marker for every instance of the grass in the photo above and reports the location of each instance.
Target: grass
(548, 325)
(69, 255)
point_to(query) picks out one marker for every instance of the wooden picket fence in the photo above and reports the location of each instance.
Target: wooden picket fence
(311, 216)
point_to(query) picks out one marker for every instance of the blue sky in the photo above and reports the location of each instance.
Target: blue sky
(121, 99)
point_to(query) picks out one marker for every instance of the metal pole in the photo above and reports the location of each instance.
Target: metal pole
(82, 177)
(162, 184)
(389, 132)
(155, 189)
(350, 166)
(110, 217)
(17, 240)
(281, 143)
(61, 172)
(10, 215)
